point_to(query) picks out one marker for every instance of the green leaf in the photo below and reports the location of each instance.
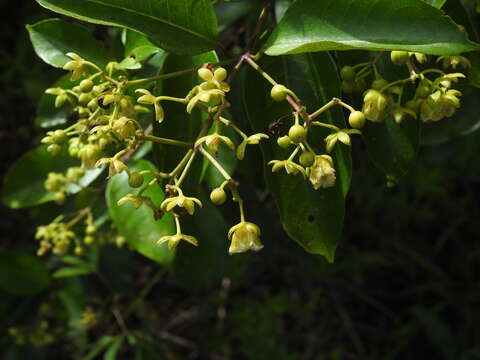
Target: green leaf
(111, 353)
(100, 346)
(23, 184)
(72, 271)
(180, 26)
(393, 147)
(310, 26)
(436, 3)
(139, 227)
(73, 260)
(315, 218)
(47, 114)
(22, 273)
(138, 46)
(53, 38)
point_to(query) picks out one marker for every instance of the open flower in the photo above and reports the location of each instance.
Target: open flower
(244, 236)
(77, 65)
(173, 240)
(203, 96)
(212, 141)
(149, 99)
(136, 200)
(188, 203)
(332, 139)
(251, 140)
(289, 166)
(115, 166)
(322, 172)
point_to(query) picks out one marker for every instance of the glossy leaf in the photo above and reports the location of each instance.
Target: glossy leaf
(436, 3)
(310, 26)
(138, 226)
(47, 114)
(138, 46)
(393, 147)
(315, 218)
(53, 38)
(23, 184)
(22, 273)
(181, 26)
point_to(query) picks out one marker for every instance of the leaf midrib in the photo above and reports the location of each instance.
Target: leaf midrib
(153, 18)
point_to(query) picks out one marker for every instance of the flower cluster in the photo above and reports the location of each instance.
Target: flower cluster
(434, 97)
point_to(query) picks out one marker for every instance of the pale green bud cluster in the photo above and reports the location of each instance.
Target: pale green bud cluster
(58, 183)
(434, 97)
(56, 237)
(38, 335)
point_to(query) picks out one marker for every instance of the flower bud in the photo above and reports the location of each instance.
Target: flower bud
(205, 74)
(356, 119)
(88, 240)
(54, 149)
(89, 154)
(86, 85)
(54, 182)
(399, 57)
(60, 100)
(90, 229)
(84, 99)
(307, 159)
(284, 142)
(59, 198)
(218, 196)
(120, 241)
(93, 104)
(347, 73)
(279, 92)
(135, 179)
(75, 173)
(297, 134)
(220, 74)
(375, 105)
(379, 84)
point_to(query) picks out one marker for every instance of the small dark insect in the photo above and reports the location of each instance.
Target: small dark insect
(275, 128)
(278, 127)
(100, 103)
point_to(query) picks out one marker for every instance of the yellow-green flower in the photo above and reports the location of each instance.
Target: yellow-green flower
(322, 172)
(188, 203)
(115, 166)
(251, 140)
(77, 65)
(289, 166)
(149, 99)
(212, 141)
(173, 240)
(244, 236)
(136, 200)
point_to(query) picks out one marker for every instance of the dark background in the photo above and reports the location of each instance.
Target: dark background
(403, 285)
